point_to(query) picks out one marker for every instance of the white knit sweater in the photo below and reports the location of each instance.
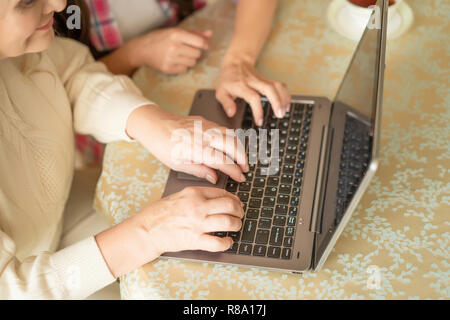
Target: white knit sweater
(43, 98)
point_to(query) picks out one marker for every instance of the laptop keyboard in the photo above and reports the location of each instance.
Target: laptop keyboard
(355, 159)
(271, 201)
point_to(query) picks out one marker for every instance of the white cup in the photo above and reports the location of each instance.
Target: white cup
(359, 16)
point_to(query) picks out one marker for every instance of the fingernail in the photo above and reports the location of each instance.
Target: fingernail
(280, 113)
(259, 122)
(211, 179)
(288, 107)
(243, 178)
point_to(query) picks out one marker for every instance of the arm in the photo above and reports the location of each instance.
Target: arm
(252, 27)
(72, 273)
(79, 270)
(238, 75)
(122, 60)
(169, 50)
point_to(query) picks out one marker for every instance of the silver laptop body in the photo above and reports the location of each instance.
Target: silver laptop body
(321, 214)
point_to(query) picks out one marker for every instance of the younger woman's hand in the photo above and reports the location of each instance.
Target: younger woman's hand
(170, 50)
(239, 79)
(189, 144)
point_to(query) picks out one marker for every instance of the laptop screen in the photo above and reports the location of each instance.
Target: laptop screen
(361, 90)
(359, 87)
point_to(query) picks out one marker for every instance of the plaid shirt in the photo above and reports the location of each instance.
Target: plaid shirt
(105, 36)
(105, 33)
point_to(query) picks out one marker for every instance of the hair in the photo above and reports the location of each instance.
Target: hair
(81, 35)
(185, 8)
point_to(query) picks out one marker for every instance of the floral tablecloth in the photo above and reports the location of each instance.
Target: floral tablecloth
(396, 245)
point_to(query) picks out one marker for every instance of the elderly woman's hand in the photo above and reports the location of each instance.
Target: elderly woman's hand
(189, 144)
(182, 221)
(185, 220)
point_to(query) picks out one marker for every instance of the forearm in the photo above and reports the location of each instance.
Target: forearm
(122, 60)
(252, 27)
(126, 246)
(149, 116)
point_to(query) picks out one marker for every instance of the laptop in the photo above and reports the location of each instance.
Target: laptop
(328, 153)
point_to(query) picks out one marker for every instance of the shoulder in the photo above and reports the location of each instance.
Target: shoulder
(64, 52)
(66, 46)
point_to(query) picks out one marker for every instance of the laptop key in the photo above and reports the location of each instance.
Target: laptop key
(262, 236)
(284, 123)
(290, 231)
(269, 201)
(286, 254)
(296, 123)
(245, 248)
(293, 211)
(254, 203)
(248, 231)
(288, 242)
(292, 150)
(259, 182)
(286, 178)
(265, 224)
(276, 236)
(271, 191)
(259, 251)
(267, 212)
(273, 181)
(234, 235)
(257, 192)
(289, 159)
(231, 187)
(288, 169)
(243, 196)
(263, 172)
(285, 189)
(294, 201)
(291, 221)
(293, 140)
(281, 209)
(245, 186)
(279, 221)
(252, 213)
(274, 252)
(282, 199)
(295, 131)
(233, 248)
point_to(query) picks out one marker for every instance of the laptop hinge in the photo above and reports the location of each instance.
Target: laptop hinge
(321, 180)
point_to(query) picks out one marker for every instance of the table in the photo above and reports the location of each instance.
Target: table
(399, 232)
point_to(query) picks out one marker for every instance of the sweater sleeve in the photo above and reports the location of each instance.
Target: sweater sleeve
(101, 101)
(75, 272)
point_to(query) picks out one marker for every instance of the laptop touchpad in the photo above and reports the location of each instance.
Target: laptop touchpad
(188, 177)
